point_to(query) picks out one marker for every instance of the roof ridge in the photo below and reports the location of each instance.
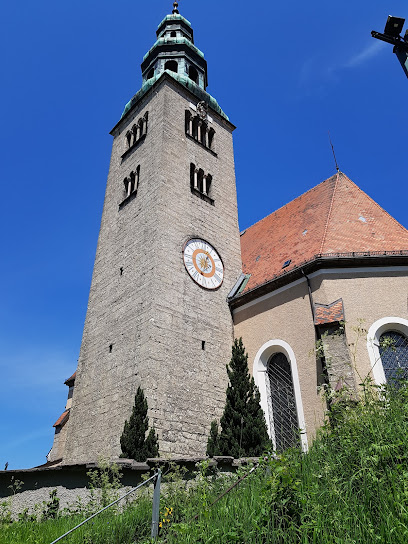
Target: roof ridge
(287, 203)
(326, 227)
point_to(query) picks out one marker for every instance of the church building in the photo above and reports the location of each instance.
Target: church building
(174, 281)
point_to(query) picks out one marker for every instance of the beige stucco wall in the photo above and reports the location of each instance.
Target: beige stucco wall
(368, 295)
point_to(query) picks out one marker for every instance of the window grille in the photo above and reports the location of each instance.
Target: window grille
(283, 412)
(394, 355)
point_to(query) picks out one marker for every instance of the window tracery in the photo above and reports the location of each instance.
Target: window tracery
(281, 395)
(387, 344)
(394, 356)
(276, 375)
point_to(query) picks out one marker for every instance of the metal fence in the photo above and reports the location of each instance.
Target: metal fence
(156, 502)
(156, 506)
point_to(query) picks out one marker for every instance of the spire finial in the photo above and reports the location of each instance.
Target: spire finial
(175, 8)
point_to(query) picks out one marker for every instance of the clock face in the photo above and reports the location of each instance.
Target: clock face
(203, 263)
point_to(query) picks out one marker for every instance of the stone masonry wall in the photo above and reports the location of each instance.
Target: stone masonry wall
(72, 481)
(338, 360)
(146, 318)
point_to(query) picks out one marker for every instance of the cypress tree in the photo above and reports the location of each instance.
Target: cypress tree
(243, 427)
(133, 441)
(212, 444)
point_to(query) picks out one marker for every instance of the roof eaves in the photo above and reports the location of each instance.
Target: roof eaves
(328, 260)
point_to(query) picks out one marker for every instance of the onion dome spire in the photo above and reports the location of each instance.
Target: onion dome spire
(175, 8)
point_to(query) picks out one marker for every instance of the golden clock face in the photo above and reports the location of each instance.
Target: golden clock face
(203, 263)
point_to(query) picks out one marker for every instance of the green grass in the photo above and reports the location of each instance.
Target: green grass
(352, 487)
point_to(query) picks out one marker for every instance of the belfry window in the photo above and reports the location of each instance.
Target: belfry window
(131, 185)
(193, 74)
(198, 129)
(200, 183)
(137, 133)
(394, 356)
(211, 134)
(281, 396)
(171, 65)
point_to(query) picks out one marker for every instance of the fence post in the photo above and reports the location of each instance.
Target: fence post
(156, 505)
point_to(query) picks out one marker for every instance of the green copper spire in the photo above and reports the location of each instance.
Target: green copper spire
(175, 54)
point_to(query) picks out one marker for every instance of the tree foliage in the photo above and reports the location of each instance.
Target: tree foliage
(134, 443)
(243, 426)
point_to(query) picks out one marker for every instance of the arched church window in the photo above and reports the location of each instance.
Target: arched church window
(141, 127)
(131, 184)
(196, 121)
(394, 356)
(200, 183)
(126, 183)
(193, 74)
(200, 180)
(211, 134)
(171, 65)
(146, 119)
(187, 123)
(135, 135)
(281, 396)
(203, 134)
(193, 177)
(207, 187)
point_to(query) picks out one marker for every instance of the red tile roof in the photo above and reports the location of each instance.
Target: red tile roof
(71, 380)
(62, 419)
(329, 313)
(336, 216)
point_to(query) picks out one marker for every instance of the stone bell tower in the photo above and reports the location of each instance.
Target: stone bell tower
(168, 255)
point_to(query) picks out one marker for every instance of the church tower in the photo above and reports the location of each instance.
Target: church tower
(168, 255)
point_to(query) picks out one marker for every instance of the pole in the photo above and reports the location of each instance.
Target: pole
(403, 58)
(156, 506)
(103, 509)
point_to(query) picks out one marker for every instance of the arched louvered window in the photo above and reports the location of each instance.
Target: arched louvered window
(281, 395)
(394, 356)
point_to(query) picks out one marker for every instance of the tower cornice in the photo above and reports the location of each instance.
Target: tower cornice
(193, 90)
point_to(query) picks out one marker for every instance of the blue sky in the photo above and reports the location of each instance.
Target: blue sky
(285, 73)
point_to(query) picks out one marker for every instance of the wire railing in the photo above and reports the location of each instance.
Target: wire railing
(155, 513)
(156, 503)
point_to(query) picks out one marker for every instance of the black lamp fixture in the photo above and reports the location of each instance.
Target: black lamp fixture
(394, 26)
(392, 35)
